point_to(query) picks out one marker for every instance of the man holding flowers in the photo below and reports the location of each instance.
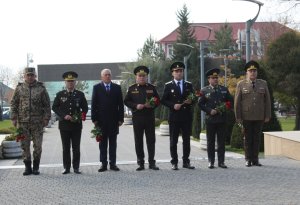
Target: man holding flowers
(142, 98)
(107, 116)
(71, 106)
(215, 100)
(179, 96)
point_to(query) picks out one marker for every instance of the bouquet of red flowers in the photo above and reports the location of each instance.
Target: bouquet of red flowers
(76, 117)
(97, 133)
(153, 101)
(223, 107)
(19, 135)
(193, 96)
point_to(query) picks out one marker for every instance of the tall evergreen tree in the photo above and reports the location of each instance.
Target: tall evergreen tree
(185, 34)
(284, 66)
(223, 39)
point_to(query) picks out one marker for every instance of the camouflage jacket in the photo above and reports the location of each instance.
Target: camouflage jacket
(30, 103)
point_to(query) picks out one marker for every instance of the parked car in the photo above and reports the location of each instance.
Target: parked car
(6, 115)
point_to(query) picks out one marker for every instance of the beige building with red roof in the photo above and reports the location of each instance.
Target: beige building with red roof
(262, 33)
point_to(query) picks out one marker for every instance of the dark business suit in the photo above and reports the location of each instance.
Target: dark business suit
(179, 119)
(68, 104)
(108, 111)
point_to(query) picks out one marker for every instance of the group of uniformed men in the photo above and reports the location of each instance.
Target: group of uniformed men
(31, 105)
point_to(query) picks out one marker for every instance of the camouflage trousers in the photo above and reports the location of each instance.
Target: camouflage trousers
(33, 132)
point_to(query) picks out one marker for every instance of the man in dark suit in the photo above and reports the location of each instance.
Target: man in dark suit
(175, 97)
(108, 114)
(71, 106)
(214, 101)
(143, 118)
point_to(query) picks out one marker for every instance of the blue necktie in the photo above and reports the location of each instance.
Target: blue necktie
(178, 84)
(107, 88)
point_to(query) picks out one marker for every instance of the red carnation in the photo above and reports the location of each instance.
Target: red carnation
(228, 105)
(83, 116)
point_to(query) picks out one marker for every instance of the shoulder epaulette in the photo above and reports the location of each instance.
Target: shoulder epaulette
(168, 82)
(132, 85)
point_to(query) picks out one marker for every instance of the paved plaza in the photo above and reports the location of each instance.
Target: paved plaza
(277, 182)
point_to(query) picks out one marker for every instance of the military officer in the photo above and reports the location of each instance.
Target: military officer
(175, 97)
(71, 106)
(31, 111)
(252, 109)
(137, 98)
(214, 101)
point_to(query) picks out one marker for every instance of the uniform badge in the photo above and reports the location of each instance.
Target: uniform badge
(149, 91)
(63, 99)
(172, 91)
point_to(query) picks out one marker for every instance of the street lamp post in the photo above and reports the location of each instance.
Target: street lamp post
(225, 64)
(185, 58)
(249, 23)
(202, 66)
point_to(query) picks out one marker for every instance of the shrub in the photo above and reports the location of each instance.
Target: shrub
(10, 137)
(157, 122)
(237, 137)
(164, 122)
(9, 130)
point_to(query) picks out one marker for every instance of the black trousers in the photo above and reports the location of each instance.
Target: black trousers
(175, 128)
(213, 129)
(68, 138)
(141, 125)
(110, 140)
(252, 139)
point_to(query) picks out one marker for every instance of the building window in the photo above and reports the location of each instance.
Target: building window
(169, 50)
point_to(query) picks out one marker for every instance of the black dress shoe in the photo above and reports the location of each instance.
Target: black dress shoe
(140, 168)
(256, 164)
(211, 165)
(114, 168)
(66, 171)
(174, 166)
(153, 167)
(188, 166)
(222, 165)
(35, 172)
(248, 164)
(102, 168)
(76, 171)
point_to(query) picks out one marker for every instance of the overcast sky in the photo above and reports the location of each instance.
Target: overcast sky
(98, 31)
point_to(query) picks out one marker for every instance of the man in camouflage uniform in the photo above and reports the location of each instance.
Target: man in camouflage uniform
(30, 111)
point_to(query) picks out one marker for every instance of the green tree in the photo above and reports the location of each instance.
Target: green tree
(151, 50)
(284, 67)
(82, 86)
(223, 39)
(185, 34)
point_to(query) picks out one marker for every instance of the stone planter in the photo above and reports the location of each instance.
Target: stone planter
(203, 142)
(127, 121)
(164, 130)
(11, 149)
